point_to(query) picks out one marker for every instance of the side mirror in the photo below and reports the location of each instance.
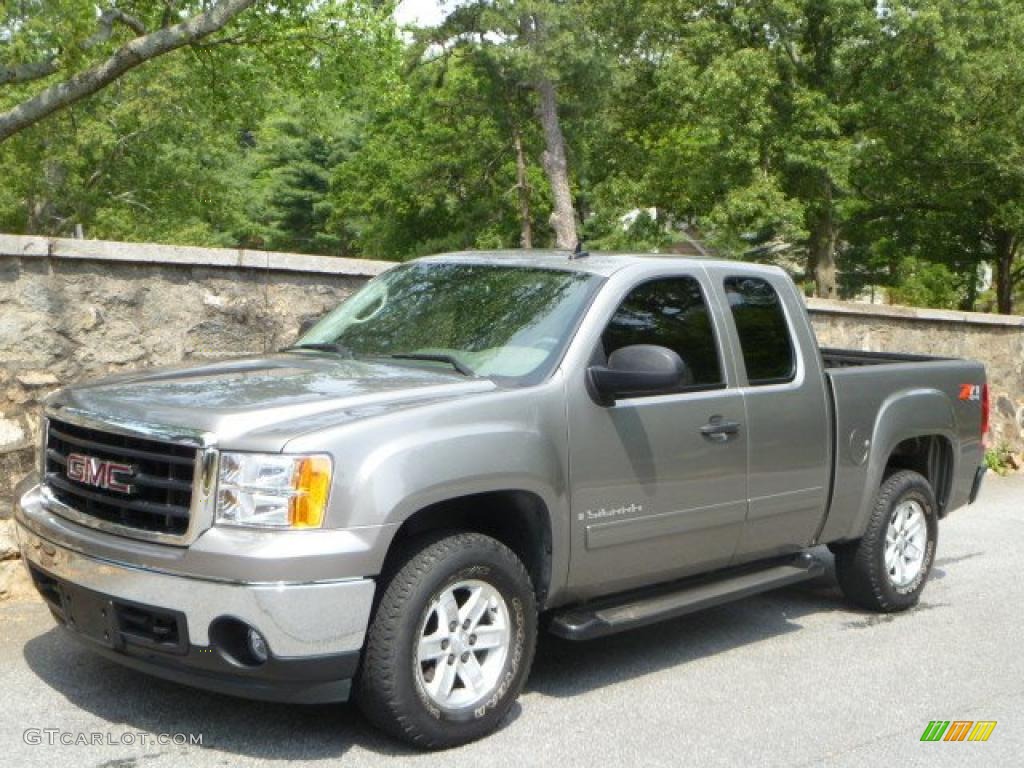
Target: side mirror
(639, 369)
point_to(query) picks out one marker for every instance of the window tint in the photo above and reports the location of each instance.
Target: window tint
(762, 329)
(670, 313)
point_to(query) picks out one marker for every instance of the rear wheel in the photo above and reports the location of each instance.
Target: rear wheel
(887, 569)
(451, 642)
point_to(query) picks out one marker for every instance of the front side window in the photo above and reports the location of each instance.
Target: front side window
(762, 330)
(669, 313)
(509, 322)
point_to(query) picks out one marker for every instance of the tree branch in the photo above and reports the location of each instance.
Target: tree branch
(106, 26)
(24, 73)
(127, 57)
(37, 70)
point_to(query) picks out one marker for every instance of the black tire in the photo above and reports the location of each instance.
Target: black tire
(860, 565)
(389, 690)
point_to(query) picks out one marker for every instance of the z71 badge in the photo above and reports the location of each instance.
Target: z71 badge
(970, 391)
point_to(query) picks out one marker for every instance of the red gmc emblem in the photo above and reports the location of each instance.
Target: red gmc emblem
(99, 473)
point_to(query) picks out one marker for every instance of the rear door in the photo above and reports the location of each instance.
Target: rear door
(653, 497)
(788, 425)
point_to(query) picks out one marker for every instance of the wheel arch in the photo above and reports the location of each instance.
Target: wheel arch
(913, 429)
(518, 518)
(931, 456)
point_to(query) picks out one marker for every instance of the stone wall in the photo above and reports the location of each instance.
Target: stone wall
(76, 309)
(996, 340)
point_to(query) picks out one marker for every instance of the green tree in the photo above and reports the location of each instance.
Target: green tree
(293, 162)
(942, 173)
(756, 119)
(858, 143)
(433, 166)
(176, 152)
(546, 46)
(134, 163)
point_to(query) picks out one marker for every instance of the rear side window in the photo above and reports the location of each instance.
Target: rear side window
(671, 313)
(762, 329)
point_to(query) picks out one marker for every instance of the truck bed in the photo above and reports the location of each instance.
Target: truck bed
(853, 358)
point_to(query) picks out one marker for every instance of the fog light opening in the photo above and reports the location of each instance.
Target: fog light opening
(238, 643)
(257, 646)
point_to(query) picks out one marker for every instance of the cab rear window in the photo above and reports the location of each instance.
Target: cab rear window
(762, 329)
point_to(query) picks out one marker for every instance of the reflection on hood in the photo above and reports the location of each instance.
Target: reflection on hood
(244, 395)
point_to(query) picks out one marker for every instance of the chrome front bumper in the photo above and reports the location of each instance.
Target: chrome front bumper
(313, 632)
(296, 619)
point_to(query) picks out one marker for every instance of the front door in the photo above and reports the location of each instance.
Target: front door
(657, 491)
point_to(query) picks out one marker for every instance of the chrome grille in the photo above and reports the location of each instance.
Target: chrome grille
(161, 478)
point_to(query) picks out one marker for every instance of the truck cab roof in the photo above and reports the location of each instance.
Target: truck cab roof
(597, 263)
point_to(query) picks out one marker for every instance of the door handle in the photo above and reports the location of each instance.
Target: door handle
(719, 429)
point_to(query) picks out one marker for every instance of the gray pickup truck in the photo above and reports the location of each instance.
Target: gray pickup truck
(477, 445)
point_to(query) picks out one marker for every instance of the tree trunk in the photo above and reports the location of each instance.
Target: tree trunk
(554, 159)
(822, 257)
(43, 214)
(821, 251)
(1006, 249)
(563, 217)
(38, 214)
(970, 299)
(523, 189)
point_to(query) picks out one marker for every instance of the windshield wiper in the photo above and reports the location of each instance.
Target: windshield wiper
(322, 346)
(455, 363)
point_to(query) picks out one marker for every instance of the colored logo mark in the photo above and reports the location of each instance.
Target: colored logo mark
(958, 730)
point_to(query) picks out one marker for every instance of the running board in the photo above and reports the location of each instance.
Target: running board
(668, 601)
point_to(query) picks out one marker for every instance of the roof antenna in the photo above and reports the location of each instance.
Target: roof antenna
(578, 252)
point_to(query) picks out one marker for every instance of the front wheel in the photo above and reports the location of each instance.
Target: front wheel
(887, 569)
(451, 642)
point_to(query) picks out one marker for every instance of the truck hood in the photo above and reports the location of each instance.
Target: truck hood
(259, 403)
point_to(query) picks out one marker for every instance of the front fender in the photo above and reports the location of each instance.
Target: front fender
(403, 476)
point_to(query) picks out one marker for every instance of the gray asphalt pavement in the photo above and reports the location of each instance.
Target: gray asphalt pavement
(792, 678)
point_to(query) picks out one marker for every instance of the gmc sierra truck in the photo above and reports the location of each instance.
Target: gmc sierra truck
(476, 445)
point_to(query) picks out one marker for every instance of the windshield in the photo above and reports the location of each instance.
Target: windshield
(485, 320)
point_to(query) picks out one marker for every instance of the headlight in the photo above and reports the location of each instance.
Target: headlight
(273, 490)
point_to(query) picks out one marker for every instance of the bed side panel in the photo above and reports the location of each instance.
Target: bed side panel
(877, 407)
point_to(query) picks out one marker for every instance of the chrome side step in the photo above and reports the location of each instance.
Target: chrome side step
(668, 601)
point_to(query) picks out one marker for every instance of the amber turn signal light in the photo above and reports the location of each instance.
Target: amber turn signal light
(312, 483)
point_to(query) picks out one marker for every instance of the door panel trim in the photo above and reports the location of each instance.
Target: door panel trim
(675, 523)
(786, 503)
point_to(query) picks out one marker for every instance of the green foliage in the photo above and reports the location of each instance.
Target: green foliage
(136, 163)
(291, 173)
(644, 233)
(892, 133)
(1001, 459)
(920, 283)
(940, 172)
(433, 168)
(201, 146)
